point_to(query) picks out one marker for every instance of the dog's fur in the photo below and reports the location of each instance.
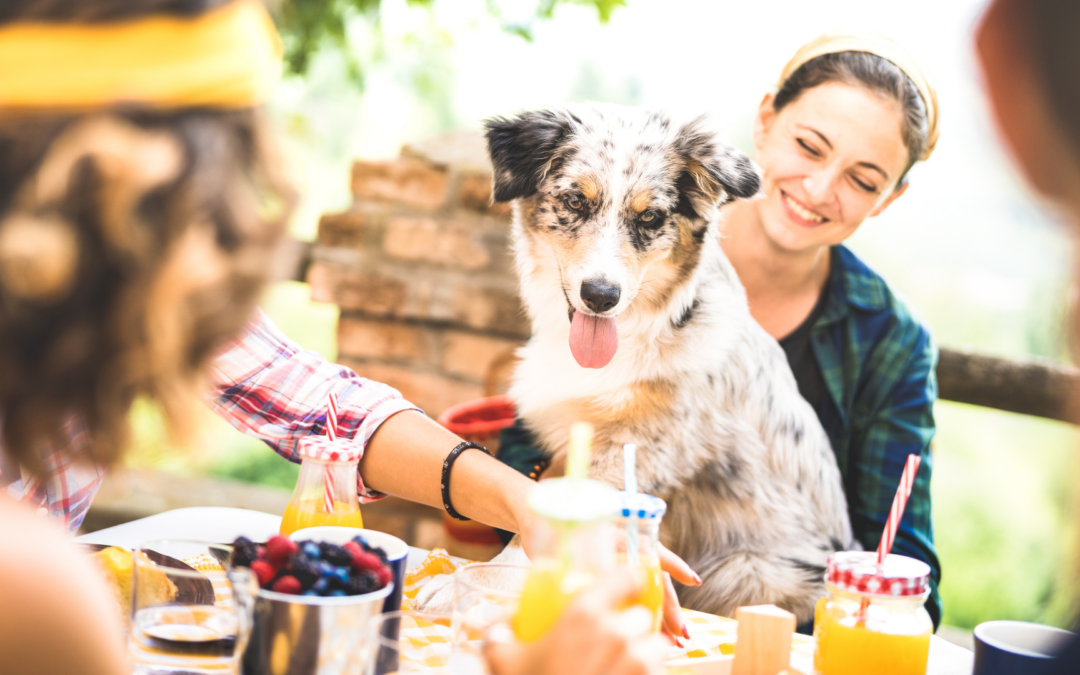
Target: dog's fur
(755, 502)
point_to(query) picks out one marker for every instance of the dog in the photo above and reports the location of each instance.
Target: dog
(641, 327)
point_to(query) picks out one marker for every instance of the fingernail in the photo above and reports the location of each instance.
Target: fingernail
(685, 632)
(697, 578)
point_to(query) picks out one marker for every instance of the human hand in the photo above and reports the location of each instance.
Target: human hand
(593, 637)
(675, 567)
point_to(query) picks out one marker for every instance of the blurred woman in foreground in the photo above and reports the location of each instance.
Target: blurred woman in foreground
(139, 208)
(1030, 58)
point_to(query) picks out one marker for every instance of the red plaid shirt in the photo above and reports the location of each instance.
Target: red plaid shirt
(266, 386)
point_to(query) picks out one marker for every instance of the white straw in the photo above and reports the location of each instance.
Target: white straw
(630, 487)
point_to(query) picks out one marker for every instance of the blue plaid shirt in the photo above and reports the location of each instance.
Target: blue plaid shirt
(878, 363)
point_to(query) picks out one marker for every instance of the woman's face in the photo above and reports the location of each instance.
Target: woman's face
(831, 158)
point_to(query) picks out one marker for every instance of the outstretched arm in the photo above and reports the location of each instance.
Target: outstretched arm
(271, 389)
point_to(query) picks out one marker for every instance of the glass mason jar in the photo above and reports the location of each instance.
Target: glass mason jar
(325, 491)
(872, 620)
(638, 532)
(573, 544)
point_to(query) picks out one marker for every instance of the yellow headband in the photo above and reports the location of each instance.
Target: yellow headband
(229, 57)
(835, 42)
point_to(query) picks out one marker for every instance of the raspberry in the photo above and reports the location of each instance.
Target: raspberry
(287, 584)
(352, 547)
(383, 575)
(244, 552)
(260, 551)
(279, 548)
(366, 562)
(264, 571)
(334, 554)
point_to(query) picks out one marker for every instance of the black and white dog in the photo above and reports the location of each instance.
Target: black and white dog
(641, 327)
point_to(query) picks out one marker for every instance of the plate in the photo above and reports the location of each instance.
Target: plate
(189, 591)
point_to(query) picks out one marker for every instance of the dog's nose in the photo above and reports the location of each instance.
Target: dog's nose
(599, 296)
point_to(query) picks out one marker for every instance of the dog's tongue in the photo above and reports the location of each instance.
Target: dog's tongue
(593, 340)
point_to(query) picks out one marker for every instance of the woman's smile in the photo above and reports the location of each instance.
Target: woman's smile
(799, 213)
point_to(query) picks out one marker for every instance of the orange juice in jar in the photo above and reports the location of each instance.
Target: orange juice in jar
(638, 533)
(873, 620)
(573, 546)
(325, 492)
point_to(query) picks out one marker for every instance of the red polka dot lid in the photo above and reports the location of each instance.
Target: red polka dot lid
(325, 450)
(859, 572)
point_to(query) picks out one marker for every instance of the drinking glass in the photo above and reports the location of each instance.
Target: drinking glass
(485, 595)
(184, 618)
(406, 642)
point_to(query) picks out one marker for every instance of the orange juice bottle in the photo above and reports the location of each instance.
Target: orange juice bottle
(325, 492)
(638, 533)
(873, 620)
(574, 545)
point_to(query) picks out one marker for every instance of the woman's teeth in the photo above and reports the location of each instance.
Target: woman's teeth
(801, 212)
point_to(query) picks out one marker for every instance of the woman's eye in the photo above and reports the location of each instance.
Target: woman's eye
(865, 186)
(574, 202)
(807, 147)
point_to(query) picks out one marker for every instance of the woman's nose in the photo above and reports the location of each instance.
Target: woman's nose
(819, 186)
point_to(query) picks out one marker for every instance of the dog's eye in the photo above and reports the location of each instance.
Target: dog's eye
(574, 202)
(650, 219)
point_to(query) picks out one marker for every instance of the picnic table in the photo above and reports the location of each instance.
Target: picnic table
(221, 524)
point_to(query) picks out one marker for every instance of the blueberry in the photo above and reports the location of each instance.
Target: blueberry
(311, 592)
(336, 593)
(325, 568)
(311, 550)
(362, 543)
(341, 574)
(321, 586)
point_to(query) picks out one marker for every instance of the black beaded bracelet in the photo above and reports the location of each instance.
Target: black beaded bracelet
(445, 485)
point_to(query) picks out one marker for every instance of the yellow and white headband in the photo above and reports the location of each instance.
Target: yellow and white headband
(229, 57)
(835, 42)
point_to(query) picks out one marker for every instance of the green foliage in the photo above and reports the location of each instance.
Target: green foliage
(308, 26)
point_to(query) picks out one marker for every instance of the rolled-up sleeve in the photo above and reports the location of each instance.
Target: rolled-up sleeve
(266, 386)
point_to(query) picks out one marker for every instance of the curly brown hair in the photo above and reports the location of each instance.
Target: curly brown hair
(133, 244)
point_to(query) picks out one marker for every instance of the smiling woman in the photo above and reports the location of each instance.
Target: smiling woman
(851, 116)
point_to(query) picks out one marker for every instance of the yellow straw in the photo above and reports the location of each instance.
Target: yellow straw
(581, 437)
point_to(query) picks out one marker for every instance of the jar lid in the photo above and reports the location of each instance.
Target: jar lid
(574, 501)
(641, 505)
(859, 572)
(325, 450)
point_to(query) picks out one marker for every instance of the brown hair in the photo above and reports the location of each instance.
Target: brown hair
(875, 73)
(133, 244)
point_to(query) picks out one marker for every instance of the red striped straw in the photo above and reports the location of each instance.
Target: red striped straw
(331, 434)
(907, 481)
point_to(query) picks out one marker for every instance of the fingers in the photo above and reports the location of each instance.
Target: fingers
(644, 657)
(677, 567)
(673, 620)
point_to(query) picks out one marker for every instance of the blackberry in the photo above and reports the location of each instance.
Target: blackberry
(362, 583)
(244, 552)
(380, 554)
(335, 555)
(304, 569)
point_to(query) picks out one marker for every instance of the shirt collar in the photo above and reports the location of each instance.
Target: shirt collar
(852, 283)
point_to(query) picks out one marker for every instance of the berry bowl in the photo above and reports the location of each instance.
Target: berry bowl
(312, 600)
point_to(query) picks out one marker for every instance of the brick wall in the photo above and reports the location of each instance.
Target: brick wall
(421, 268)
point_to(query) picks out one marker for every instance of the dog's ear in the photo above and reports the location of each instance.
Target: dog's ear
(521, 149)
(713, 171)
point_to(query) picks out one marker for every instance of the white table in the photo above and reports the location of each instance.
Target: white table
(216, 524)
(223, 525)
